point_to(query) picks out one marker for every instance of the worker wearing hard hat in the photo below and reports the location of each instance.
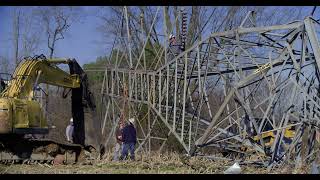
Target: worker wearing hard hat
(172, 39)
(69, 131)
(129, 138)
(174, 46)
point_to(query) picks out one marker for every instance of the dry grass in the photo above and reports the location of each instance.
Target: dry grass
(155, 164)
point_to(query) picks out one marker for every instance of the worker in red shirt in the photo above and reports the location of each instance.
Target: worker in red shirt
(119, 142)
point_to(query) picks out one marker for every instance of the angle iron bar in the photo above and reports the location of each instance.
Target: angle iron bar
(184, 96)
(148, 36)
(232, 32)
(169, 127)
(313, 39)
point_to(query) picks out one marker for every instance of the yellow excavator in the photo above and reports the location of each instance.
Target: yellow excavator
(21, 113)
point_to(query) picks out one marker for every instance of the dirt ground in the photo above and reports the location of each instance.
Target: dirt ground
(155, 164)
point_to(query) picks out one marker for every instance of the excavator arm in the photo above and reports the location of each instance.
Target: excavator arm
(31, 73)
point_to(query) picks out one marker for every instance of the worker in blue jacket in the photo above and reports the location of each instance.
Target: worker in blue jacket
(129, 138)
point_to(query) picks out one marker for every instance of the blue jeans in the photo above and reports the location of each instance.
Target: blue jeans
(127, 147)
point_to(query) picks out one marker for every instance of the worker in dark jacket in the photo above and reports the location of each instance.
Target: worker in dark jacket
(129, 139)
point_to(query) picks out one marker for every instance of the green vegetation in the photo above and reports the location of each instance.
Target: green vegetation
(93, 75)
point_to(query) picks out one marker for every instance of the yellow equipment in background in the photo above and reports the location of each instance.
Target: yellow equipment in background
(20, 113)
(269, 136)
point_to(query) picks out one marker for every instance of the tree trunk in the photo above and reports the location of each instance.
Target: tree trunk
(16, 26)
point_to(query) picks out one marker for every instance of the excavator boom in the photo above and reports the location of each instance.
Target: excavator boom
(30, 73)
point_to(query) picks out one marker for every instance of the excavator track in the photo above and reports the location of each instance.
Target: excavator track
(18, 149)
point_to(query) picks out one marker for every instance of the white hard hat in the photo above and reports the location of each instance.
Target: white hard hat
(171, 36)
(71, 120)
(131, 120)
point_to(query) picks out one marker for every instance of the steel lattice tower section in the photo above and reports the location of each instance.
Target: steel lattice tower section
(266, 75)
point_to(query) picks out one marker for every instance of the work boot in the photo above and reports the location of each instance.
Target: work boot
(121, 158)
(132, 158)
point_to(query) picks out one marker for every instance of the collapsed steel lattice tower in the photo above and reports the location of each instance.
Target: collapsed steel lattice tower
(266, 75)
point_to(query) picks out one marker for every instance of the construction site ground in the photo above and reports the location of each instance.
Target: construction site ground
(155, 164)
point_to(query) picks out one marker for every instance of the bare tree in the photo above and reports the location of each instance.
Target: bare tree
(57, 22)
(26, 33)
(4, 65)
(16, 34)
(31, 32)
